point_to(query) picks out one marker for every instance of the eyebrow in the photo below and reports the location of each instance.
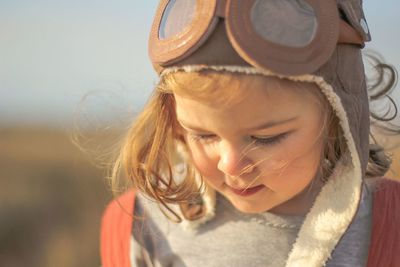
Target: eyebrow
(263, 126)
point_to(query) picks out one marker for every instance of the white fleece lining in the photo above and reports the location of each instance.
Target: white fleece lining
(338, 201)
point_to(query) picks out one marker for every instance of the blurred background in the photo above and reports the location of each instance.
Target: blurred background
(70, 67)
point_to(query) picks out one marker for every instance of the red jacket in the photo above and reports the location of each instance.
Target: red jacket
(385, 239)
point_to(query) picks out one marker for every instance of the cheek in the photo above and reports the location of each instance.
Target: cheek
(292, 166)
(206, 163)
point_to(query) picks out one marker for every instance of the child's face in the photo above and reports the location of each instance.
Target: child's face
(274, 128)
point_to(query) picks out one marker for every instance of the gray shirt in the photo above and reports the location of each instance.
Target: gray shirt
(233, 238)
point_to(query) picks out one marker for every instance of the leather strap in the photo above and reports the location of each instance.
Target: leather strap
(385, 240)
(115, 231)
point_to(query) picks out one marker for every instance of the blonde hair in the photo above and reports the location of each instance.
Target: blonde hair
(149, 152)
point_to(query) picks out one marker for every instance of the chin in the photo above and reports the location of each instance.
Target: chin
(250, 208)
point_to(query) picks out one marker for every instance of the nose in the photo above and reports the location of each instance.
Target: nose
(233, 160)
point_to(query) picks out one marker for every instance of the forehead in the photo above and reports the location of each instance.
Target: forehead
(244, 100)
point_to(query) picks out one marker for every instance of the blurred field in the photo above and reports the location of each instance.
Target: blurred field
(51, 199)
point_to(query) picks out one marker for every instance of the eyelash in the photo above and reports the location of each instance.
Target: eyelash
(261, 141)
(271, 140)
(199, 137)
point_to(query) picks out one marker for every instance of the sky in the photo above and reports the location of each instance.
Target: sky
(62, 60)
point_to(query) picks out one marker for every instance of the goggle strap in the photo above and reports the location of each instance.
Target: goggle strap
(348, 35)
(220, 9)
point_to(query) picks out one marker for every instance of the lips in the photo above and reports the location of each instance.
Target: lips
(246, 192)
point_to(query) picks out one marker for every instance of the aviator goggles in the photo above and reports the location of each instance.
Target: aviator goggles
(286, 36)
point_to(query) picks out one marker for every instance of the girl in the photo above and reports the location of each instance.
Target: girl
(254, 148)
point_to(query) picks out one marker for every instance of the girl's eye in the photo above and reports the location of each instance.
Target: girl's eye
(258, 140)
(270, 140)
(201, 137)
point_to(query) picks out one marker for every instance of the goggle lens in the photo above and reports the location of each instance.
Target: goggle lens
(177, 15)
(290, 23)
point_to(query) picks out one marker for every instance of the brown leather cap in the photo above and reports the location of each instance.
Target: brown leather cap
(221, 33)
